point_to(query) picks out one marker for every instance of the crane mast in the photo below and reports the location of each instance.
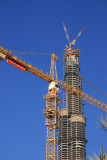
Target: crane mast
(52, 123)
(52, 114)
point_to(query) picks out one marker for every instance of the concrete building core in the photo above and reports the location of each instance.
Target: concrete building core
(72, 141)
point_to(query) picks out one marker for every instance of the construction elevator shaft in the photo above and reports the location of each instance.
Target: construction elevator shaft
(72, 141)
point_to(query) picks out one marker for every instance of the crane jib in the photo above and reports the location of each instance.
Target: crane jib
(14, 61)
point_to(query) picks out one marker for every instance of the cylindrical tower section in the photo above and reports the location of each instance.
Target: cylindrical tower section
(73, 102)
(63, 135)
(78, 141)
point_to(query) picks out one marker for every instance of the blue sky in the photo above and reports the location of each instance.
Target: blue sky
(36, 25)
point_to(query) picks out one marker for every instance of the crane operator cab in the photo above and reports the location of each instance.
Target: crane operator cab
(53, 88)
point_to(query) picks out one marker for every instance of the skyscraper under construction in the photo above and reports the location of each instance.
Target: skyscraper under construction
(72, 141)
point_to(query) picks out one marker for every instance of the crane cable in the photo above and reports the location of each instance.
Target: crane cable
(34, 53)
(93, 86)
(85, 80)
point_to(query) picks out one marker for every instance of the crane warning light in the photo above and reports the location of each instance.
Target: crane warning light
(16, 64)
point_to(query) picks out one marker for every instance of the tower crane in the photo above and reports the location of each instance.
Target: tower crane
(71, 43)
(52, 101)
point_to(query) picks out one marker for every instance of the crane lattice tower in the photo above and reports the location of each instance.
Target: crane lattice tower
(52, 114)
(72, 141)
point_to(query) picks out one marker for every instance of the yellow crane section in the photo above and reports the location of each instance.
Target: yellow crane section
(28, 67)
(66, 87)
